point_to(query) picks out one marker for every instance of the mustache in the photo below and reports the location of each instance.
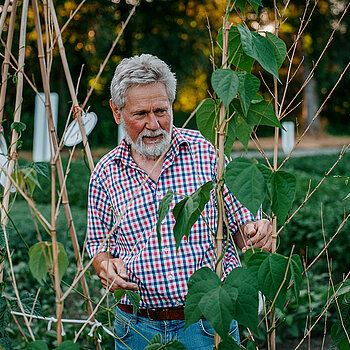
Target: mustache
(152, 133)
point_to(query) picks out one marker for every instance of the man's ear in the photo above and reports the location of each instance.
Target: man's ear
(115, 110)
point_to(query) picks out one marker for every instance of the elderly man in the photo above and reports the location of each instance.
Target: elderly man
(125, 190)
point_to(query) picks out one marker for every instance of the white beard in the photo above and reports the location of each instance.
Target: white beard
(149, 151)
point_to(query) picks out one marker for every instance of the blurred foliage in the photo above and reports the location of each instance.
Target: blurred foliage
(177, 32)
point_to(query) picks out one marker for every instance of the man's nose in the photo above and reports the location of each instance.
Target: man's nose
(152, 121)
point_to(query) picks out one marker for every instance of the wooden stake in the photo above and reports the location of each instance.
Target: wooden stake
(6, 63)
(70, 85)
(17, 117)
(59, 166)
(3, 15)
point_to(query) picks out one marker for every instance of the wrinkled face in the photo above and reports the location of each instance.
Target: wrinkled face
(146, 119)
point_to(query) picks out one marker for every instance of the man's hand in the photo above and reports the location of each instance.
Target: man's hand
(112, 271)
(254, 234)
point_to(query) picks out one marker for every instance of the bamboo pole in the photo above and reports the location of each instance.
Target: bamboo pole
(59, 303)
(17, 116)
(76, 108)
(6, 63)
(221, 167)
(3, 15)
(60, 172)
(18, 109)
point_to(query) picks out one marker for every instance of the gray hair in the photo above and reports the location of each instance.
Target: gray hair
(143, 69)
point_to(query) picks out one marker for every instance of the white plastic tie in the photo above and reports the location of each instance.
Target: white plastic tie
(50, 323)
(92, 330)
(99, 338)
(63, 333)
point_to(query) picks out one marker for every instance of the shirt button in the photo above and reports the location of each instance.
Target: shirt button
(166, 250)
(170, 277)
(159, 194)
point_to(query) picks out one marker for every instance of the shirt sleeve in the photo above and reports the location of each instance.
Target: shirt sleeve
(100, 221)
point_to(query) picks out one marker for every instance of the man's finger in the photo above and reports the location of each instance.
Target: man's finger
(249, 229)
(120, 269)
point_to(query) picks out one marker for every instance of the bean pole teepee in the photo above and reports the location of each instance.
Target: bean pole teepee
(53, 37)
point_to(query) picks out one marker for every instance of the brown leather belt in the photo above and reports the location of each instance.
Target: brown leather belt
(158, 314)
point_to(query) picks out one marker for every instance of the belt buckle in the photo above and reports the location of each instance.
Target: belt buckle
(148, 309)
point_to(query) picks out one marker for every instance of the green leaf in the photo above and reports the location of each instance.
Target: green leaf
(227, 343)
(271, 275)
(4, 316)
(134, 299)
(243, 130)
(251, 345)
(31, 177)
(225, 83)
(2, 239)
(240, 4)
(266, 171)
(205, 118)
(279, 48)
(236, 55)
(230, 136)
(62, 260)
(206, 296)
(248, 87)
(259, 48)
(296, 269)
(68, 345)
(163, 209)
(342, 292)
(187, 211)
(283, 187)
(41, 168)
(155, 343)
(218, 306)
(5, 343)
(198, 284)
(28, 301)
(339, 338)
(37, 345)
(174, 345)
(246, 183)
(253, 258)
(262, 113)
(247, 303)
(118, 294)
(41, 260)
(254, 5)
(18, 126)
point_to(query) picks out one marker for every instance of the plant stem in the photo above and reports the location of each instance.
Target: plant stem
(275, 165)
(221, 168)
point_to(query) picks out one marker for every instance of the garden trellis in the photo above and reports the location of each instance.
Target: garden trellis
(53, 37)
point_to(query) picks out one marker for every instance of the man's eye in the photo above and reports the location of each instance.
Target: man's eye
(160, 111)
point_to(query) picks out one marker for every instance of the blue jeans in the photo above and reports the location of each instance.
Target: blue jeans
(198, 336)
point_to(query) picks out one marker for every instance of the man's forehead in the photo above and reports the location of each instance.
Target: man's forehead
(143, 93)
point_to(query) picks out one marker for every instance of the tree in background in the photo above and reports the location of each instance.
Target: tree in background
(177, 31)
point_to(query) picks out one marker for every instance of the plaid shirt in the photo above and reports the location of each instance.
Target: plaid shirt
(161, 274)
